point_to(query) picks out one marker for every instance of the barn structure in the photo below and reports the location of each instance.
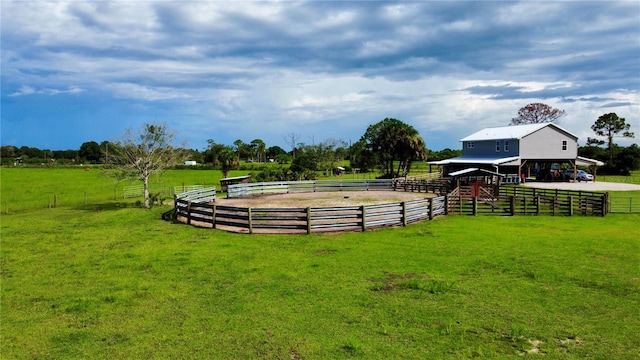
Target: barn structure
(224, 183)
(519, 152)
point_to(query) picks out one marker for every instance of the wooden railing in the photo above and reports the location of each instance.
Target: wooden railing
(308, 220)
(286, 187)
(517, 200)
(199, 209)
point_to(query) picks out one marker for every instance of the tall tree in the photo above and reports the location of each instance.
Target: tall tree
(274, 151)
(610, 126)
(258, 147)
(90, 151)
(536, 113)
(392, 140)
(212, 152)
(147, 152)
(292, 140)
(228, 160)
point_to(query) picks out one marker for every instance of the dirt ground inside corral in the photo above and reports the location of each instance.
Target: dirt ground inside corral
(324, 199)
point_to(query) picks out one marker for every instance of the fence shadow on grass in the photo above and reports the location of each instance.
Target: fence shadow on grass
(106, 206)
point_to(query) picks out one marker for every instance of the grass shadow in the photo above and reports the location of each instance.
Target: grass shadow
(106, 206)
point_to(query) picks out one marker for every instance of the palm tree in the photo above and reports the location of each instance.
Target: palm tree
(228, 160)
(259, 148)
(392, 140)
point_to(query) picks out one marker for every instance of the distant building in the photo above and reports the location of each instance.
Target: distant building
(190, 163)
(518, 150)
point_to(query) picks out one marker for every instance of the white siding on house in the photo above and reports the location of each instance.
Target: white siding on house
(547, 143)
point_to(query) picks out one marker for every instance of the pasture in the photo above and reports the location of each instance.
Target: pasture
(100, 278)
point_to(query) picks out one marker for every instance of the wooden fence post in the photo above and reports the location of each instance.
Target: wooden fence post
(570, 200)
(512, 205)
(308, 220)
(250, 221)
(404, 213)
(213, 216)
(446, 204)
(475, 205)
(189, 212)
(364, 217)
(430, 208)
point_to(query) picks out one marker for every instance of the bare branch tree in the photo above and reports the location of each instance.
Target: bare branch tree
(292, 140)
(536, 113)
(146, 152)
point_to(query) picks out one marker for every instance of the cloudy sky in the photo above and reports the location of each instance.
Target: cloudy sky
(77, 71)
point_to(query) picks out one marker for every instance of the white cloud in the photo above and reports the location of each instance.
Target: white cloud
(232, 67)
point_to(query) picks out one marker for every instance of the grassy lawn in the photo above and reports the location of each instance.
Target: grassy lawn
(108, 280)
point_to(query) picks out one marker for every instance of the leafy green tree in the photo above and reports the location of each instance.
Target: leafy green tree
(628, 160)
(444, 154)
(610, 126)
(283, 158)
(8, 154)
(389, 141)
(258, 149)
(535, 113)
(195, 155)
(362, 157)
(90, 151)
(35, 154)
(146, 152)
(274, 151)
(212, 152)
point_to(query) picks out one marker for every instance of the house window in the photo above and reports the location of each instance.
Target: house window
(498, 146)
(564, 145)
(506, 146)
(470, 145)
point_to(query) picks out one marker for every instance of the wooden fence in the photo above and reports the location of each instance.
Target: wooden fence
(199, 211)
(517, 200)
(286, 187)
(198, 208)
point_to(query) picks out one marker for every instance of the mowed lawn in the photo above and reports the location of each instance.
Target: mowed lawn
(109, 280)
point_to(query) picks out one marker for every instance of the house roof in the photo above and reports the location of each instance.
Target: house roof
(512, 160)
(511, 132)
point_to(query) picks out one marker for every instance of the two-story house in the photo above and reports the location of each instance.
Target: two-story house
(516, 150)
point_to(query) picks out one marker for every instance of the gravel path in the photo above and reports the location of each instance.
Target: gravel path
(587, 186)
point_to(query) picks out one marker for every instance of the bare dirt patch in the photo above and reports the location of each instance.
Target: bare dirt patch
(324, 199)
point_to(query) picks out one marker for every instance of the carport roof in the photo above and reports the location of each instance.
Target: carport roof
(583, 161)
(470, 171)
(512, 160)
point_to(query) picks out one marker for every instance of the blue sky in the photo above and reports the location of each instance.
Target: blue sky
(77, 71)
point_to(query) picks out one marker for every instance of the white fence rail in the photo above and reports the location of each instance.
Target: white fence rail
(285, 187)
(138, 190)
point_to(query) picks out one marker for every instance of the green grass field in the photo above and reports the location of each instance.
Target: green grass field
(108, 280)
